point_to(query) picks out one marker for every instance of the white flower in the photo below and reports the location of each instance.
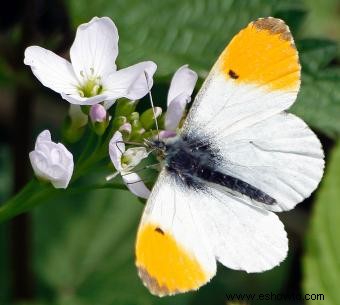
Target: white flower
(181, 87)
(124, 161)
(51, 161)
(92, 77)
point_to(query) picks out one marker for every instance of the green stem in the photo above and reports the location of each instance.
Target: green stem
(31, 195)
(35, 193)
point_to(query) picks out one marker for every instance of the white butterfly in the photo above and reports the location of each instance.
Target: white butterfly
(238, 158)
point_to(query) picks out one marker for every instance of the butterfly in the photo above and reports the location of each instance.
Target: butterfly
(238, 158)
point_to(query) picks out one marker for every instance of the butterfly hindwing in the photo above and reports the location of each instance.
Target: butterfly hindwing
(280, 156)
(243, 237)
(173, 253)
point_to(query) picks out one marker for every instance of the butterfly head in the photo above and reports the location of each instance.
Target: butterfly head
(158, 146)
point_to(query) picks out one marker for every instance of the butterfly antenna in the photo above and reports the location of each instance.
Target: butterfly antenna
(152, 105)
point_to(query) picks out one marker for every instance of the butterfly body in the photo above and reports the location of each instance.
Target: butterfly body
(193, 161)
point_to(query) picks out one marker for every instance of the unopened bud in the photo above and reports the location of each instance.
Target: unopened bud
(124, 107)
(137, 130)
(98, 113)
(125, 130)
(148, 117)
(133, 116)
(118, 121)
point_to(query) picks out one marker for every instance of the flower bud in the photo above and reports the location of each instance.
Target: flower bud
(51, 161)
(99, 119)
(137, 130)
(124, 107)
(125, 130)
(118, 121)
(147, 118)
(133, 116)
(98, 113)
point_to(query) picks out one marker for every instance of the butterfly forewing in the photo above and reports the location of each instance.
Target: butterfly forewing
(256, 76)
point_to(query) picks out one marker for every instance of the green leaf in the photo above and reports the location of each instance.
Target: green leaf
(323, 19)
(172, 32)
(316, 54)
(321, 262)
(293, 17)
(318, 102)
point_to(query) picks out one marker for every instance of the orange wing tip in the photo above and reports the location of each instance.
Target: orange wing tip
(165, 267)
(162, 290)
(263, 54)
(274, 26)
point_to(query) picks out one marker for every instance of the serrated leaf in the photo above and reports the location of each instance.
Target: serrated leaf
(321, 263)
(173, 33)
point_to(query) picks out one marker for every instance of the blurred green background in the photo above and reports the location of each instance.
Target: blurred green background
(79, 249)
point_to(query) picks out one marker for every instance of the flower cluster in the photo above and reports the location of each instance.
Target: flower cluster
(91, 83)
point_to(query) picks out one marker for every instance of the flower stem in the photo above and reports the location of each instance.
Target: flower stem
(31, 195)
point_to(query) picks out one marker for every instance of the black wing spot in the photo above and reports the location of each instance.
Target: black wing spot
(233, 74)
(159, 230)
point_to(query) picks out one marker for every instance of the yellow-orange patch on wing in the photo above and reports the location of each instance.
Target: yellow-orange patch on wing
(164, 265)
(263, 53)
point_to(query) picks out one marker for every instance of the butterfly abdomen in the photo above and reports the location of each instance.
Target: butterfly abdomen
(232, 183)
(193, 163)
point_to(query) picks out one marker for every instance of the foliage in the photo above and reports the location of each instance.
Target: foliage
(321, 261)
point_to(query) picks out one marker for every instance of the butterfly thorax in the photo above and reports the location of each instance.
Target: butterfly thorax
(193, 162)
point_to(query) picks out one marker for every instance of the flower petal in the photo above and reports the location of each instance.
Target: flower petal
(51, 70)
(76, 99)
(43, 136)
(136, 185)
(95, 48)
(135, 155)
(116, 150)
(183, 81)
(108, 104)
(176, 111)
(133, 82)
(164, 134)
